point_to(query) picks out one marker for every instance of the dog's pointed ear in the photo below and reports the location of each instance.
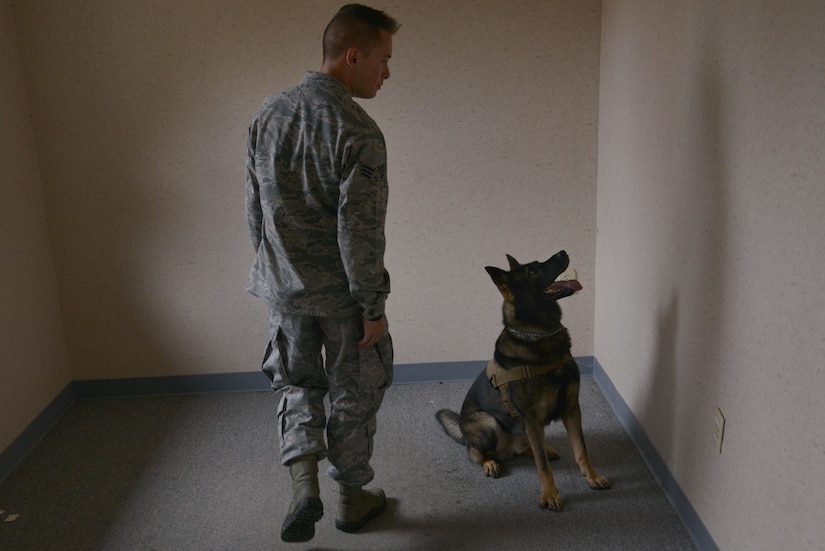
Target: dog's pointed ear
(499, 277)
(513, 262)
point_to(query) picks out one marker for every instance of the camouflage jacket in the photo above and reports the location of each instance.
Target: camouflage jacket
(316, 202)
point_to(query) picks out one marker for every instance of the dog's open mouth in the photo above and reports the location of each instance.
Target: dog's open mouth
(564, 286)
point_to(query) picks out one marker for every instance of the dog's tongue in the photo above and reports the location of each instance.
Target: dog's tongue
(569, 284)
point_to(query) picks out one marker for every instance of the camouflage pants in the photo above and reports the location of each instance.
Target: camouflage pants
(354, 379)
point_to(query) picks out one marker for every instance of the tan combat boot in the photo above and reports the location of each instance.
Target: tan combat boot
(306, 508)
(357, 506)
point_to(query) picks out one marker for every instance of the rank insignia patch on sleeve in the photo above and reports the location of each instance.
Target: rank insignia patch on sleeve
(374, 174)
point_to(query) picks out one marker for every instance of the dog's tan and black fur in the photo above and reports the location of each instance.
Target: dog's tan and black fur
(531, 380)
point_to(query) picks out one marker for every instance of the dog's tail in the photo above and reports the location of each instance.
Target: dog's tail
(449, 422)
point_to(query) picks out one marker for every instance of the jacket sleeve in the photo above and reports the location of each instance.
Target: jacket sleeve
(362, 209)
(254, 212)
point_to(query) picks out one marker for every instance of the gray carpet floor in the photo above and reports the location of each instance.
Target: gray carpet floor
(201, 472)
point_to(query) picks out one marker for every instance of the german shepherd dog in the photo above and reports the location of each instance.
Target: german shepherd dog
(531, 380)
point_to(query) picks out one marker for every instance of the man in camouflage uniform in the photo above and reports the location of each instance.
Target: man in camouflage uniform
(316, 199)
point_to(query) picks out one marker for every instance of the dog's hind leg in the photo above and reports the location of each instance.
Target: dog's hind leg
(485, 442)
(549, 493)
(489, 465)
(573, 424)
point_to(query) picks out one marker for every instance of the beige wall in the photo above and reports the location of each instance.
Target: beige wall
(711, 217)
(140, 113)
(33, 365)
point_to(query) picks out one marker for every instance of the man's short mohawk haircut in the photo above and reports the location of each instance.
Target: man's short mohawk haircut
(371, 16)
(356, 25)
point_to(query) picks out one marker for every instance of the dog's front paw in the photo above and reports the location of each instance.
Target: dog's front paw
(551, 501)
(598, 482)
(491, 468)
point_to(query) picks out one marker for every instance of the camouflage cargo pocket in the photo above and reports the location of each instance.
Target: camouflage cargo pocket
(376, 366)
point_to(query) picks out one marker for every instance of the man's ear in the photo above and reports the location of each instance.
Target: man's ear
(352, 56)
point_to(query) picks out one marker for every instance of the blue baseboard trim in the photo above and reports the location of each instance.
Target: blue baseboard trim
(17, 451)
(405, 374)
(690, 519)
(254, 381)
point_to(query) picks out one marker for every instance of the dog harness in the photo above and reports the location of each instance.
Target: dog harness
(501, 378)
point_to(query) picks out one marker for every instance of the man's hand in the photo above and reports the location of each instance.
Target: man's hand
(373, 330)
